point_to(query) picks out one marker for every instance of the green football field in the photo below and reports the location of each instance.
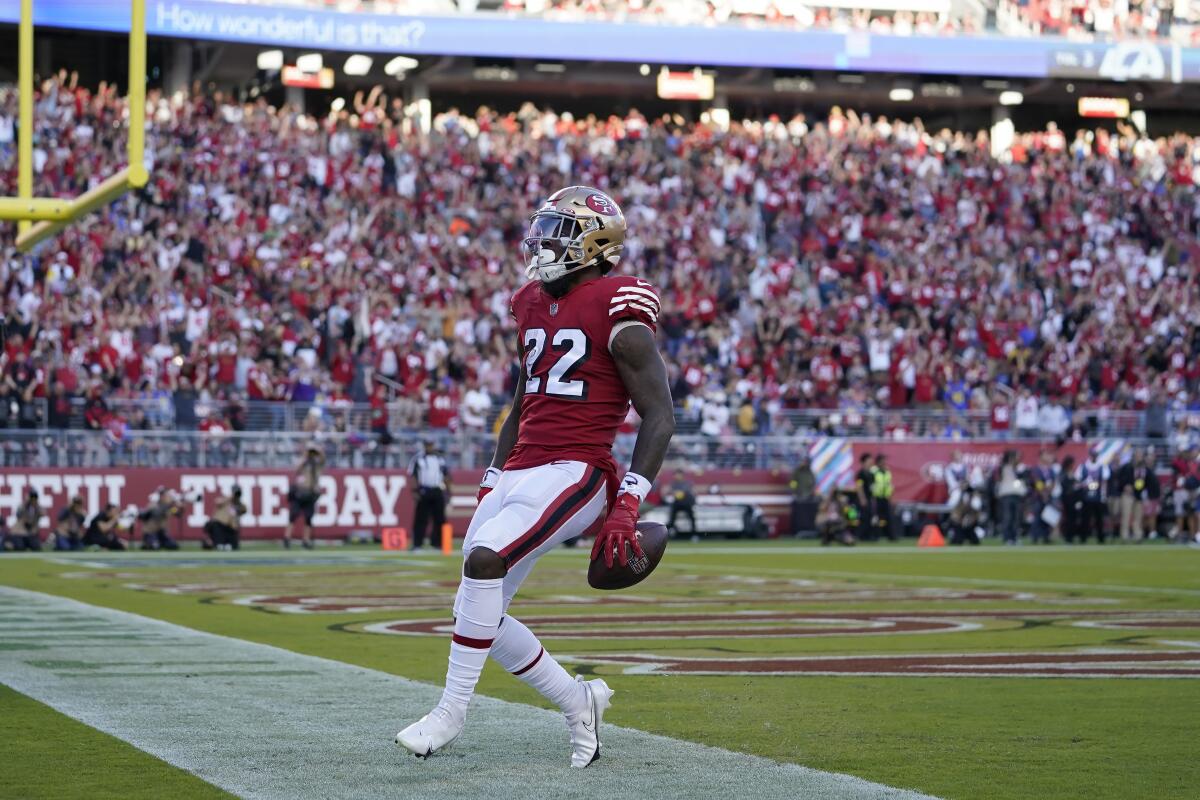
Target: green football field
(984, 673)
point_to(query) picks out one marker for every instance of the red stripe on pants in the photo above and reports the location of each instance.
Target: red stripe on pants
(561, 509)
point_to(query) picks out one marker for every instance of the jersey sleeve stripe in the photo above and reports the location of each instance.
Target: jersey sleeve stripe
(636, 290)
(641, 301)
(628, 298)
(650, 312)
(649, 309)
(627, 295)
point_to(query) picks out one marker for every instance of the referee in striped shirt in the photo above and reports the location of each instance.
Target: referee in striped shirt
(432, 481)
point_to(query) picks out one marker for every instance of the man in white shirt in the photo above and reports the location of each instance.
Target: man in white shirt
(714, 419)
(473, 415)
(475, 407)
(1053, 420)
(1026, 416)
(879, 351)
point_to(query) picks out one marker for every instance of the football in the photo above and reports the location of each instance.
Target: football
(653, 536)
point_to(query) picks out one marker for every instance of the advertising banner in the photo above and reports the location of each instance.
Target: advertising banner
(372, 500)
(724, 45)
(350, 499)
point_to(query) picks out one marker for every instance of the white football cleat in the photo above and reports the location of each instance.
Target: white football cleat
(432, 732)
(585, 726)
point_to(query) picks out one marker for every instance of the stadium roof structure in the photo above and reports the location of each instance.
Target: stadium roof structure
(729, 45)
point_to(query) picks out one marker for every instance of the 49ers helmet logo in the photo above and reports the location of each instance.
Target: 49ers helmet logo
(601, 205)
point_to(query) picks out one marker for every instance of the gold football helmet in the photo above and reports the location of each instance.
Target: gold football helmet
(576, 227)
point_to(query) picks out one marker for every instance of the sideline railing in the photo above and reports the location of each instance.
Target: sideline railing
(250, 450)
(408, 415)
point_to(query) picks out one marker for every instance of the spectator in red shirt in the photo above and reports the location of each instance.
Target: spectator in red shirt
(442, 402)
(1001, 416)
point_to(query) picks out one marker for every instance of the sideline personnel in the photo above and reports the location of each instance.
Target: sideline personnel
(433, 487)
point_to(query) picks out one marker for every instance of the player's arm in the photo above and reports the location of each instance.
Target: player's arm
(506, 439)
(644, 374)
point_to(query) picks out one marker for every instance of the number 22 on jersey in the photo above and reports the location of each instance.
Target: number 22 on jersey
(573, 349)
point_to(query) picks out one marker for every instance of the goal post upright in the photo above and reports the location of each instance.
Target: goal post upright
(51, 213)
(25, 103)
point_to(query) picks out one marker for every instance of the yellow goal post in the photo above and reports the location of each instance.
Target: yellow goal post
(52, 214)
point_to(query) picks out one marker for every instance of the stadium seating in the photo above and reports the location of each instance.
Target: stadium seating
(855, 263)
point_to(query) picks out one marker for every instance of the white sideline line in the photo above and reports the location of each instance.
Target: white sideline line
(263, 722)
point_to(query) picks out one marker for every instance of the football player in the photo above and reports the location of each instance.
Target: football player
(588, 349)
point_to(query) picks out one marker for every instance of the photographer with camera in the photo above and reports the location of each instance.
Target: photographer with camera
(303, 494)
(102, 531)
(27, 521)
(164, 504)
(223, 530)
(683, 504)
(68, 532)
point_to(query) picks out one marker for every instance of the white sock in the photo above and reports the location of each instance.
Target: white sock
(479, 606)
(519, 651)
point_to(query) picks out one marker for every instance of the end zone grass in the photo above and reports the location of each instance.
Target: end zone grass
(1010, 738)
(49, 756)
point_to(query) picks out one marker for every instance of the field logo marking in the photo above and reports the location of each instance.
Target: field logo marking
(288, 726)
(1087, 663)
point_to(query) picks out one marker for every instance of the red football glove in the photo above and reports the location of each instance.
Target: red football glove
(619, 529)
(482, 493)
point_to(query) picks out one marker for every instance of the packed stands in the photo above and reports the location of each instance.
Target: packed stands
(904, 278)
(1104, 19)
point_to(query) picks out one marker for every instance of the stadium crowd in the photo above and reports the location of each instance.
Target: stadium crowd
(1105, 19)
(1076, 19)
(850, 262)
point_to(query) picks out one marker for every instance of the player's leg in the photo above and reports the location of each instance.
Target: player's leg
(539, 508)
(440, 727)
(518, 650)
(516, 519)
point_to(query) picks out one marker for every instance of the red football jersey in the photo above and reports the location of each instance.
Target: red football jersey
(443, 409)
(574, 398)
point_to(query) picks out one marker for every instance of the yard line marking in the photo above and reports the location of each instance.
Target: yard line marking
(784, 546)
(263, 722)
(1099, 587)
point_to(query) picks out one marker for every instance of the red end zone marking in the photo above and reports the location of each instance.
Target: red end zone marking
(784, 624)
(425, 601)
(1102, 664)
(750, 624)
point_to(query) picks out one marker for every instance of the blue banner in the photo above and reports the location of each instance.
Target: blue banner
(731, 45)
